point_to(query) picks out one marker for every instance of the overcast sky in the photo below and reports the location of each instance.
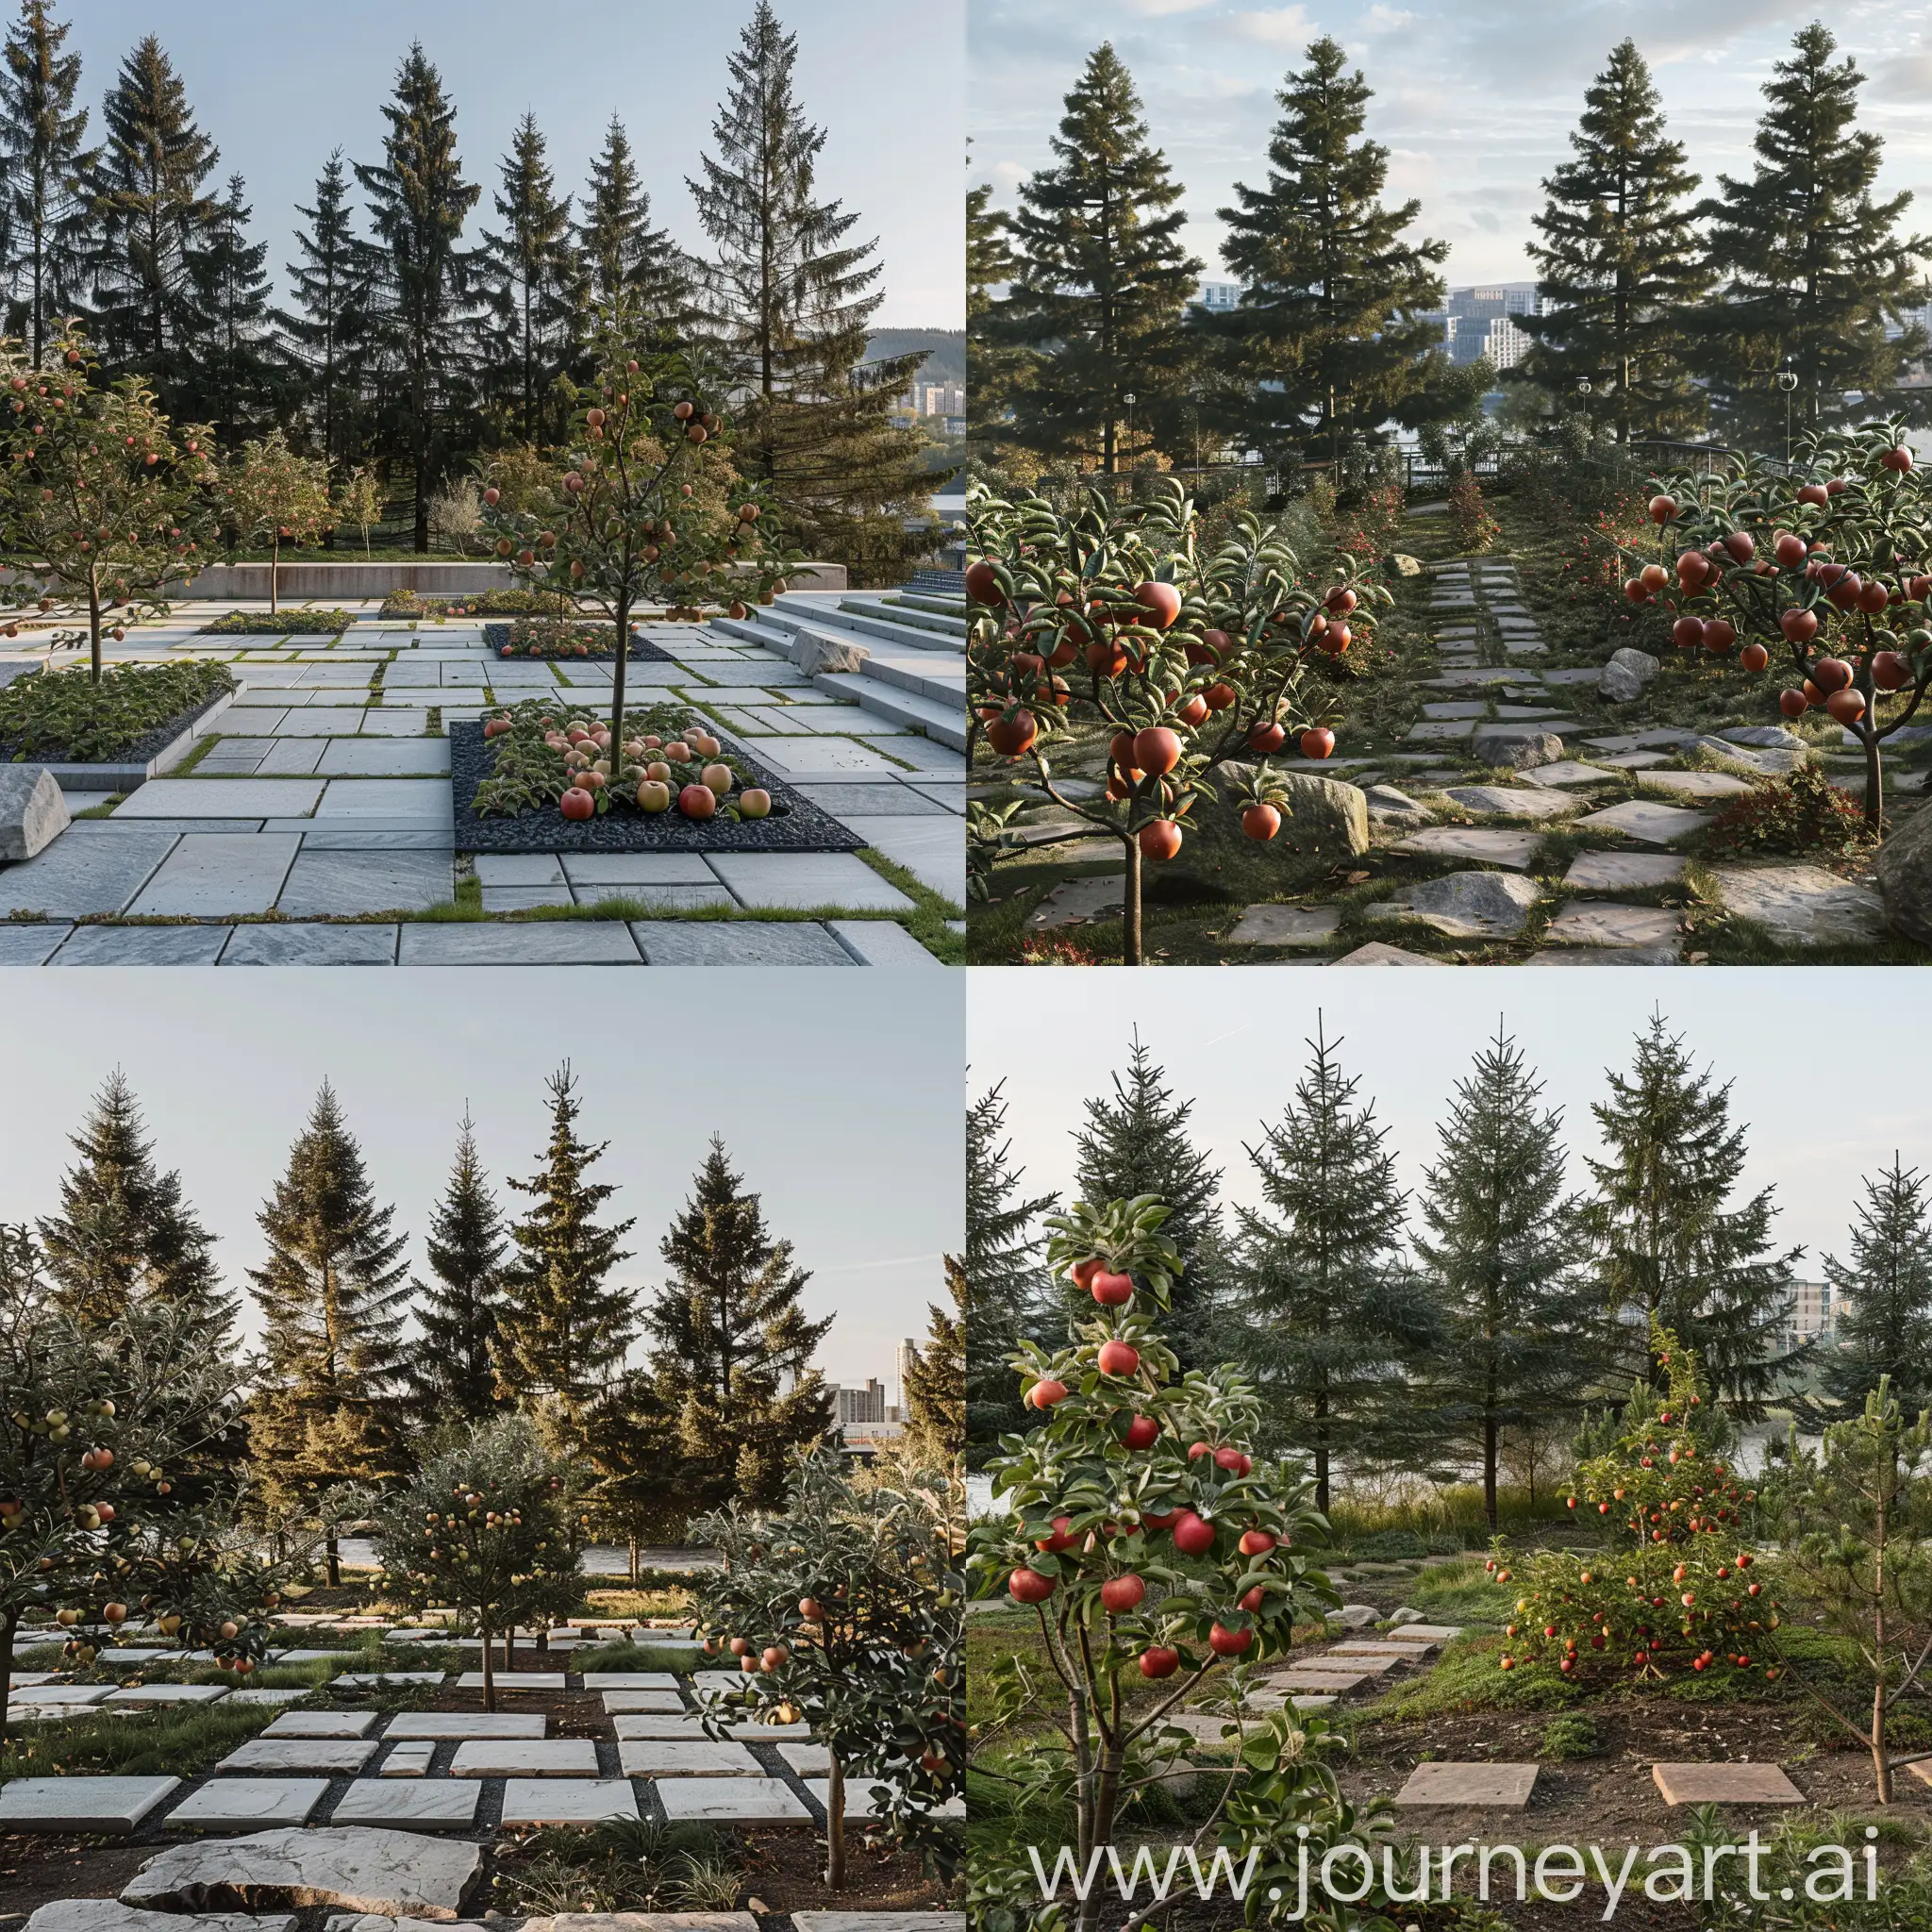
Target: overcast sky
(278, 87)
(838, 1095)
(1476, 101)
(1234, 1042)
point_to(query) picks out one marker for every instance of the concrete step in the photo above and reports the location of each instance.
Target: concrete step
(929, 600)
(946, 723)
(751, 630)
(942, 679)
(795, 606)
(896, 610)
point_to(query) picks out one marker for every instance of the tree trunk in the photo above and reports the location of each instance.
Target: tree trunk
(633, 1560)
(1107, 1793)
(1490, 1472)
(617, 671)
(489, 1675)
(1874, 778)
(275, 562)
(1881, 1767)
(335, 1561)
(1130, 938)
(93, 621)
(9, 1624)
(835, 1827)
(510, 1644)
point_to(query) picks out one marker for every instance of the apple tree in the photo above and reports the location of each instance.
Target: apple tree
(271, 495)
(103, 500)
(844, 1609)
(1200, 668)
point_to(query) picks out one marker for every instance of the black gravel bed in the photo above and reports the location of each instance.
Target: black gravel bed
(794, 825)
(145, 747)
(642, 651)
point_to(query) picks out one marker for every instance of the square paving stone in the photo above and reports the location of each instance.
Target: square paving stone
(143, 946)
(808, 1760)
(1305, 1677)
(527, 898)
(466, 1724)
(1604, 922)
(329, 884)
(679, 1757)
(1424, 1633)
(311, 945)
(1637, 818)
(424, 800)
(731, 1801)
(96, 865)
(257, 1695)
(865, 1797)
(330, 723)
(567, 1801)
(1803, 904)
(532, 1757)
(323, 1724)
(817, 758)
(1439, 730)
(400, 722)
(81, 1803)
(655, 898)
(363, 1679)
(1495, 846)
(885, 798)
(1565, 772)
(241, 1804)
(613, 869)
(1623, 872)
(525, 868)
(223, 798)
(436, 1803)
(632, 1680)
(407, 1760)
(1694, 784)
(1494, 1786)
(1286, 926)
(30, 942)
(338, 1756)
(739, 943)
(548, 942)
(385, 757)
(212, 875)
(932, 850)
(513, 1680)
(1509, 801)
(798, 880)
(631, 1724)
(879, 942)
(289, 758)
(1725, 1784)
(170, 1694)
(878, 1922)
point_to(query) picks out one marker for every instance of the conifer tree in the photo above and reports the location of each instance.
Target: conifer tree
(563, 1328)
(1887, 1329)
(1670, 1248)
(731, 1357)
(451, 1368)
(1135, 1142)
(422, 280)
(1328, 339)
(1619, 262)
(46, 200)
(993, 367)
(233, 383)
(621, 254)
(792, 295)
(936, 1378)
(1003, 1280)
(123, 1231)
(1342, 1321)
(154, 212)
(325, 335)
(527, 281)
(1521, 1320)
(1813, 272)
(1100, 275)
(331, 1295)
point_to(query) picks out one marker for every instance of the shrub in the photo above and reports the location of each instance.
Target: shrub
(1475, 530)
(548, 638)
(63, 716)
(1801, 814)
(403, 601)
(308, 621)
(1572, 1735)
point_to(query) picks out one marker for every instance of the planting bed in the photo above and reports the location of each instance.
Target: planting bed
(549, 639)
(303, 623)
(54, 719)
(794, 824)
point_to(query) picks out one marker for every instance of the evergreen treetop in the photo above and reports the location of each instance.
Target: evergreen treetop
(233, 380)
(326, 335)
(1887, 1326)
(622, 253)
(451, 1368)
(529, 276)
(936, 1378)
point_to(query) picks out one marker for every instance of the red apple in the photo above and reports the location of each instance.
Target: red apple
(1899, 459)
(1260, 821)
(1012, 736)
(1119, 1594)
(1791, 550)
(1847, 707)
(697, 802)
(1194, 712)
(1156, 751)
(1720, 634)
(1318, 742)
(1256, 1543)
(1688, 633)
(1082, 1273)
(1160, 840)
(983, 584)
(1118, 1359)
(1891, 670)
(578, 803)
(1225, 1642)
(1693, 568)
(1799, 627)
(1142, 1432)
(1813, 492)
(1753, 656)
(1047, 1392)
(1232, 1460)
(1793, 703)
(1162, 603)
(1060, 1539)
(1251, 1599)
(1156, 1660)
(1740, 547)
(1653, 577)
(1267, 738)
(1112, 1290)
(1874, 598)
(1830, 674)
(1193, 1535)
(1029, 1586)
(1663, 509)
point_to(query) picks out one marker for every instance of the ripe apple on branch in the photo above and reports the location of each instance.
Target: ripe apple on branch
(1201, 670)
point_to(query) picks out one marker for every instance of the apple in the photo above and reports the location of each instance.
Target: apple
(1267, 738)
(1335, 639)
(1847, 707)
(1799, 627)
(1791, 550)
(1232, 1460)
(1029, 1587)
(1793, 703)
(1260, 821)
(1663, 509)
(1194, 712)
(1156, 751)
(1899, 459)
(1653, 577)
(1693, 568)
(1256, 1543)
(1161, 602)
(775, 1658)
(697, 802)
(1217, 697)
(1193, 1535)
(1161, 1519)
(495, 727)
(1112, 1290)
(1119, 1594)
(1118, 1359)
(1142, 1432)
(115, 1614)
(812, 1609)
(1156, 1660)
(1813, 492)
(1830, 674)
(754, 804)
(1160, 840)
(1046, 1393)
(1688, 633)
(1060, 1540)
(678, 751)
(983, 584)
(1251, 1599)
(654, 795)
(1082, 1273)
(1720, 634)
(1316, 742)
(1225, 1642)
(718, 779)
(1873, 597)
(1891, 670)
(1753, 657)
(578, 803)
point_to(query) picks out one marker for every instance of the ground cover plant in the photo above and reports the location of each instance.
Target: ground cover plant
(309, 621)
(69, 716)
(628, 1865)
(507, 602)
(550, 637)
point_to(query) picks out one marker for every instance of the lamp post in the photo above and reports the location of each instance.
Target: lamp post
(1127, 401)
(1788, 382)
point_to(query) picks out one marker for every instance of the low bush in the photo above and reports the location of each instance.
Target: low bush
(1475, 530)
(506, 603)
(64, 717)
(623, 1865)
(1803, 815)
(1571, 1736)
(252, 623)
(634, 1656)
(548, 638)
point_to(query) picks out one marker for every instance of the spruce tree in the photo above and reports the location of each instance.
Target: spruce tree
(563, 1328)
(621, 254)
(1006, 1300)
(1887, 1329)
(993, 367)
(154, 213)
(1813, 272)
(1100, 276)
(936, 1378)
(1668, 1246)
(46, 199)
(123, 1231)
(332, 1294)
(1619, 262)
(1328, 339)
(423, 297)
(451, 1369)
(325, 335)
(528, 282)
(1521, 1321)
(731, 1357)
(1341, 1320)
(792, 295)
(234, 380)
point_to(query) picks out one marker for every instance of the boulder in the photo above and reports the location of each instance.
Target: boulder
(1774, 735)
(1389, 798)
(814, 651)
(32, 812)
(1623, 679)
(1404, 565)
(1905, 877)
(1516, 746)
(1404, 1615)
(398, 1874)
(1325, 814)
(1465, 904)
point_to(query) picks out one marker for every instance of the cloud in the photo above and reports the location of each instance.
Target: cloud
(1159, 9)
(1384, 20)
(1280, 27)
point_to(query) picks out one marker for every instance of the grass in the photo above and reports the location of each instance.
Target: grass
(183, 1741)
(666, 1600)
(635, 1657)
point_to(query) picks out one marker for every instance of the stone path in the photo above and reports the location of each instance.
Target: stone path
(323, 803)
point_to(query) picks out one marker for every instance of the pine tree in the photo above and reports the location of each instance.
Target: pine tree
(45, 198)
(1341, 1320)
(1100, 278)
(331, 1295)
(1887, 1329)
(563, 1329)
(1521, 1321)
(1004, 1301)
(234, 380)
(451, 1369)
(623, 254)
(1813, 272)
(936, 1378)
(1328, 339)
(155, 214)
(1134, 1142)
(792, 295)
(422, 280)
(732, 1349)
(325, 337)
(528, 278)
(123, 1231)
(994, 368)
(1619, 262)
(1669, 1247)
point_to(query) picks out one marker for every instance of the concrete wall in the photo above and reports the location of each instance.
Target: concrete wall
(301, 583)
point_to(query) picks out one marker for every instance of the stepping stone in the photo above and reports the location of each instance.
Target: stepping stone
(338, 1757)
(568, 1801)
(1286, 926)
(59, 1693)
(794, 881)
(808, 1760)
(269, 1697)
(465, 1725)
(655, 1703)
(632, 1681)
(109, 1915)
(143, 946)
(878, 1921)
(395, 1874)
(680, 1758)
(562, 943)
(223, 798)
(685, 1728)
(1695, 784)
(1769, 736)
(1637, 818)
(241, 1804)
(1377, 954)
(1439, 730)
(1633, 760)
(1371, 1663)
(1336, 1683)
(1464, 905)
(96, 865)
(737, 942)
(1355, 1616)
(170, 1694)
(526, 1758)
(1508, 801)
(753, 1733)
(407, 1760)
(1361, 1647)
(1495, 846)
(1803, 904)
(1623, 872)
(74, 1804)
(1075, 902)
(1567, 772)
(311, 945)
(1665, 737)
(1424, 1633)
(324, 884)
(1493, 1787)
(731, 1801)
(363, 1680)
(435, 1804)
(867, 1797)
(1459, 708)
(514, 1680)
(1604, 922)
(1725, 1784)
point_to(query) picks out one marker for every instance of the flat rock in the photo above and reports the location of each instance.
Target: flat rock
(1076, 902)
(1518, 746)
(1389, 798)
(1509, 801)
(1336, 1683)
(1803, 904)
(1495, 846)
(434, 1804)
(526, 1757)
(732, 1800)
(1377, 954)
(1440, 730)
(1623, 872)
(513, 1680)
(465, 1725)
(1725, 1784)
(109, 1915)
(1567, 772)
(1637, 818)
(338, 1757)
(33, 811)
(1662, 738)
(686, 1757)
(1461, 707)
(1324, 815)
(1604, 922)
(74, 1804)
(1286, 926)
(1627, 676)
(567, 1801)
(1464, 905)
(1355, 1616)
(361, 1868)
(1695, 784)
(239, 1803)
(1765, 735)
(1905, 877)
(323, 1724)
(1493, 1787)
(1416, 1631)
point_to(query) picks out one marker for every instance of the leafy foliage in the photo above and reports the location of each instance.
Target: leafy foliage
(309, 621)
(66, 715)
(1475, 530)
(1804, 814)
(547, 637)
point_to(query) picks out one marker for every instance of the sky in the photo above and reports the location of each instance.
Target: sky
(1475, 102)
(279, 87)
(1234, 1042)
(838, 1095)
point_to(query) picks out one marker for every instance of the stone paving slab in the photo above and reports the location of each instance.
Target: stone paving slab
(1698, 785)
(879, 942)
(739, 943)
(567, 1801)
(421, 800)
(1567, 772)
(1424, 1633)
(323, 1724)
(1509, 801)
(820, 758)
(796, 881)
(878, 1922)
(808, 1760)
(682, 1726)
(1304, 1677)
(632, 1680)
(1803, 904)
(216, 876)
(1493, 845)
(311, 945)
(596, 869)
(143, 946)
(338, 1756)
(435, 1804)
(1440, 731)
(681, 1757)
(548, 942)
(407, 1760)
(111, 1915)
(1377, 953)
(81, 1803)
(1637, 818)
(514, 1680)
(1286, 926)
(466, 1724)
(1725, 1784)
(653, 898)
(95, 866)
(170, 1694)
(732, 1800)
(30, 943)
(385, 757)
(1623, 872)
(865, 1797)
(363, 1869)
(223, 798)
(1604, 922)
(932, 850)
(1075, 902)
(247, 1804)
(1493, 1787)
(526, 1757)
